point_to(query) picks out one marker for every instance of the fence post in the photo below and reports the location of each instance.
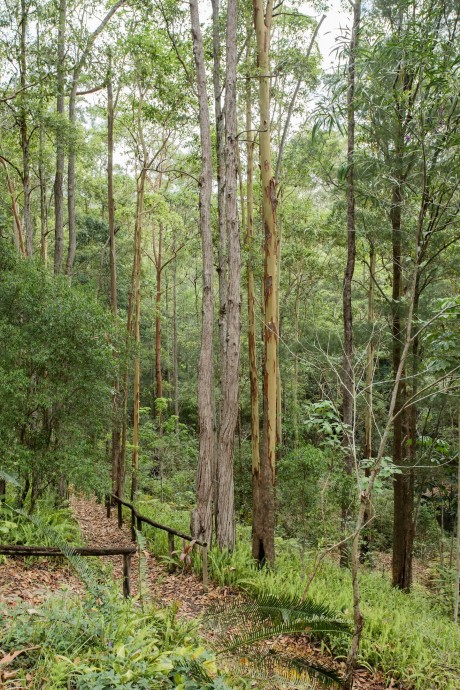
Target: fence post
(120, 514)
(126, 575)
(171, 567)
(133, 532)
(139, 524)
(108, 506)
(205, 567)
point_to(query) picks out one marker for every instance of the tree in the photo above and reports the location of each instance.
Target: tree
(201, 519)
(263, 526)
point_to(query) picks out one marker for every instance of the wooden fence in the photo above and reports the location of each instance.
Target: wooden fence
(137, 519)
(125, 551)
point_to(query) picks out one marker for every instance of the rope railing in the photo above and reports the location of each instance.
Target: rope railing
(16, 550)
(137, 519)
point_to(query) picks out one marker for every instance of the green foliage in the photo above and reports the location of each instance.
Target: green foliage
(55, 377)
(89, 645)
(266, 616)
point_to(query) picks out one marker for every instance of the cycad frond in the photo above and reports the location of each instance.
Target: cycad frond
(297, 670)
(267, 616)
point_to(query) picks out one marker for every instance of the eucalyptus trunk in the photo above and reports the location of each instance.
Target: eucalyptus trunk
(263, 526)
(60, 149)
(225, 522)
(201, 518)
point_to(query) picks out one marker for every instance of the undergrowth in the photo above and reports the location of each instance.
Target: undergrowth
(102, 644)
(406, 636)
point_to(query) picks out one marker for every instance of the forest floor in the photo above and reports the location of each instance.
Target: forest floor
(32, 582)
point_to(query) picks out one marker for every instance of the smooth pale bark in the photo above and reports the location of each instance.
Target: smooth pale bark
(225, 516)
(201, 518)
(60, 150)
(71, 182)
(158, 254)
(249, 242)
(263, 527)
(295, 381)
(348, 381)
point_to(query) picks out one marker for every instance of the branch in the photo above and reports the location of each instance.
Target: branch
(293, 100)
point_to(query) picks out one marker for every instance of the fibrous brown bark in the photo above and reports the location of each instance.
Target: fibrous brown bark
(60, 151)
(201, 518)
(24, 134)
(263, 526)
(230, 385)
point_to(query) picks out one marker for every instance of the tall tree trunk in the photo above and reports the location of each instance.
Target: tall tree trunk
(249, 241)
(263, 527)
(28, 228)
(348, 382)
(295, 381)
(137, 319)
(201, 518)
(222, 258)
(457, 558)
(117, 470)
(230, 385)
(368, 414)
(159, 269)
(175, 351)
(60, 150)
(43, 204)
(402, 566)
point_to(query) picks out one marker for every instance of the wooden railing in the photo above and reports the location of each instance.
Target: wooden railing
(137, 519)
(125, 551)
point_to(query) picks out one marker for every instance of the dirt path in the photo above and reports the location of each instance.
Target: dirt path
(185, 589)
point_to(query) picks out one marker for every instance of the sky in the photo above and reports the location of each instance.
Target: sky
(338, 16)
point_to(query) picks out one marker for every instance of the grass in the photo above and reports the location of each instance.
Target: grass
(406, 636)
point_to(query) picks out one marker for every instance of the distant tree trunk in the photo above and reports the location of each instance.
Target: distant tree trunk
(72, 145)
(159, 269)
(28, 228)
(348, 382)
(249, 241)
(263, 527)
(201, 518)
(230, 385)
(117, 470)
(43, 204)
(368, 414)
(17, 225)
(175, 353)
(137, 318)
(457, 559)
(295, 382)
(60, 150)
